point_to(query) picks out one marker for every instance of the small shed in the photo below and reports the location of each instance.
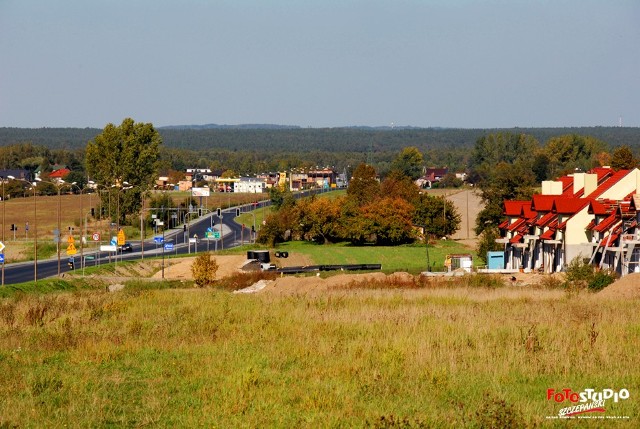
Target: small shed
(495, 260)
(455, 261)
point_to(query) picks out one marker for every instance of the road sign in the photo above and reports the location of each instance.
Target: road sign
(158, 240)
(111, 248)
(121, 237)
(71, 249)
(114, 241)
(70, 240)
(168, 246)
(1, 258)
(2, 246)
(95, 236)
(216, 234)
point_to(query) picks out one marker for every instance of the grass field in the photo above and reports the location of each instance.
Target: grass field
(378, 358)
(411, 259)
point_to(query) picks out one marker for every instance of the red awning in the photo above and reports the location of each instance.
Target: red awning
(516, 239)
(548, 235)
(609, 240)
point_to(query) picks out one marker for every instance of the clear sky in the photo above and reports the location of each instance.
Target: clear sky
(320, 63)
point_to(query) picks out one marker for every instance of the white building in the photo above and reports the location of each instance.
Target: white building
(250, 185)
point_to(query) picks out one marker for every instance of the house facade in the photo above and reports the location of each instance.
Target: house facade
(591, 215)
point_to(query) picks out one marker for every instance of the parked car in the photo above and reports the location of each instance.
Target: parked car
(126, 247)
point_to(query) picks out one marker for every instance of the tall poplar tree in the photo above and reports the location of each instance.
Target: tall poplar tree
(121, 157)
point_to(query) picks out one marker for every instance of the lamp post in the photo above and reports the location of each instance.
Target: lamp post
(35, 227)
(58, 185)
(3, 223)
(83, 225)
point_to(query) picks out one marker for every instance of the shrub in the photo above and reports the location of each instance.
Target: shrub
(582, 275)
(600, 280)
(204, 270)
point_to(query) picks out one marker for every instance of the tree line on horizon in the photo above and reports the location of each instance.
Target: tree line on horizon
(502, 165)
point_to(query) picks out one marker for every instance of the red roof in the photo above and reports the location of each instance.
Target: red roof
(569, 205)
(609, 240)
(543, 203)
(515, 224)
(516, 239)
(544, 220)
(60, 174)
(597, 208)
(514, 208)
(602, 172)
(608, 183)
(548, 235)
(567, 185)
(606, 223)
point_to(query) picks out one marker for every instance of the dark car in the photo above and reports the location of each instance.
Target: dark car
(126, 247)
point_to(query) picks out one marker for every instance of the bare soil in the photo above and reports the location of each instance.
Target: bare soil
(627, 287)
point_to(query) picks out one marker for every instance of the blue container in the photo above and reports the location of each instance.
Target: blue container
(495, 260)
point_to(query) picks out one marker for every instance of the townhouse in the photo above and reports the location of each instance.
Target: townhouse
(591, 215)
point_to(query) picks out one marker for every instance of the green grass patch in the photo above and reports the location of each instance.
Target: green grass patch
(43, 287)
(412, 258)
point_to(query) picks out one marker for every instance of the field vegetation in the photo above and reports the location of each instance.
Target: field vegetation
(365, 355)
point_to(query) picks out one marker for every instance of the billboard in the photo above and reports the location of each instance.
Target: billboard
(200, 192)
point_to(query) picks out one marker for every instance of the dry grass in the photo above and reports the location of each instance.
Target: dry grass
(395, 357)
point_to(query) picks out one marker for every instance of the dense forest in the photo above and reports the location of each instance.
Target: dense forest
(248, 150)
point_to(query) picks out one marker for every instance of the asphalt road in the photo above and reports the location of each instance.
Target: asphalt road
(232, 235)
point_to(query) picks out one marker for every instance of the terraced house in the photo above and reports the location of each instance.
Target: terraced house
(592, 215)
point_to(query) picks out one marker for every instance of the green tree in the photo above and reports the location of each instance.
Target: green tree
(622, 159)
(410, 162)
(506, 182)
(363, 186)
(493, 149)
(571, 151)
(487, 242)
(126, 153)
(438, 216)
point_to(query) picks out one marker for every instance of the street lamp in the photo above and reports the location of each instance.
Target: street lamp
(35, 227)
(3, 223)
(58, 187)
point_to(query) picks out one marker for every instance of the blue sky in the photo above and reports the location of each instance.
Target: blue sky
(430, 63)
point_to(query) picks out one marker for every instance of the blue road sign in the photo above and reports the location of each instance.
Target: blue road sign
(168, 246)
(158, 240)
(1, 258)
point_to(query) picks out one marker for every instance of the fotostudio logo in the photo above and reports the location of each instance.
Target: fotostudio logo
(588, 403)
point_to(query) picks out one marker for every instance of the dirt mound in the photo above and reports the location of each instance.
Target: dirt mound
(291, 285)
(178, 269)
(628, 287)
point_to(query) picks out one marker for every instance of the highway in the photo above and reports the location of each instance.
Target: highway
(232, 233)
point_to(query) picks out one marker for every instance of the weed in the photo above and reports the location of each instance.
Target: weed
(243, 280)
(393, 422)
(593, 335)
(531, 341)
(8, 313)
(498, 413)
(486, 281)
(551, 282)
(35, 314)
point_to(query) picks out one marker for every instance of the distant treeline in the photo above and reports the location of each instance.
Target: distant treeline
(248, 149)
